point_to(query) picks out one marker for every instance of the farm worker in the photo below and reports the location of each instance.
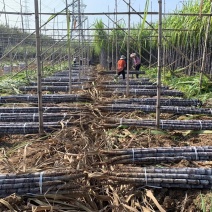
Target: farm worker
(136, 62)
(121, 65)
(74, 60)
(109, 60)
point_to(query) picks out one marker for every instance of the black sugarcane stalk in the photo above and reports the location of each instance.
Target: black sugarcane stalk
(164, 124)
(151, 108)
(163, 101)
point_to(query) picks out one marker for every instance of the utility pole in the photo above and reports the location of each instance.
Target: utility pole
(38, 56)
(159, 64)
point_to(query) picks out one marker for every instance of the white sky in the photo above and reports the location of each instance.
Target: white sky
(92, 6)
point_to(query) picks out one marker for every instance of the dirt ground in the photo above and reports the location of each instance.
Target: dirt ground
(79, 147)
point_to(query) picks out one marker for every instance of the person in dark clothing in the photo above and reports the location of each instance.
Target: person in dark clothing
(136, 62)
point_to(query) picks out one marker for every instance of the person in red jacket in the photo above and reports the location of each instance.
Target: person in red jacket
(121, 66)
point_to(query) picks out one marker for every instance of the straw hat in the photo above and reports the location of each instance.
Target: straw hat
(133, 55)
(122, 57)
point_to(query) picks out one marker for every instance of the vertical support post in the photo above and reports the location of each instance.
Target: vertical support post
(68, 46)
(38, 57)
(116, 6)
(79, 41)
(205, 49)
(150, 50)
(159, 65)
(128, 51)
(108, 42)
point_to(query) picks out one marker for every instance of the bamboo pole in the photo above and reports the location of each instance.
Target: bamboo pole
(205, 48)
(128, 52)
(68, 45)
(159, 65)
(38, 51)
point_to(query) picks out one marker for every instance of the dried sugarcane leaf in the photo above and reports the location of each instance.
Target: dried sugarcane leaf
(129, 208)
(144, 209)
(6, 204)
(129, 197)
(151, 196)
(103, 198)
(42, 208)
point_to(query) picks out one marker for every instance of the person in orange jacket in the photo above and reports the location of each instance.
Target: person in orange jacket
(121, 66)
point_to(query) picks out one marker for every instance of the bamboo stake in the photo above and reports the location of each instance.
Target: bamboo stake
(159, 65)
(38, 52)
(205, 48)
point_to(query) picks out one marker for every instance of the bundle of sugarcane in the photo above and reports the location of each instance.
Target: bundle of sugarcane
(42, 183)
(163, 101)
(73, 72)
(199, 178)
(48, 98)
(144, 92)
(80, 109)
(55, 88)
(114, 72)
(66, 79)
(139, 81)
(34, 117)
(158, 155)
(112, 87)
(164, 124)
(60, 83)
(114, 108)
(31, 127)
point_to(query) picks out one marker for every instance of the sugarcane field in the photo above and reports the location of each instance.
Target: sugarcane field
(106, 106)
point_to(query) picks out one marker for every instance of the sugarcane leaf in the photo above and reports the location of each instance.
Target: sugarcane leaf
(197, 132)
(158, 132)
(123, 126)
